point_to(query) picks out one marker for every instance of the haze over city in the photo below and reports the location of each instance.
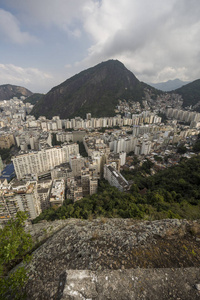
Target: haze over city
(45, 42)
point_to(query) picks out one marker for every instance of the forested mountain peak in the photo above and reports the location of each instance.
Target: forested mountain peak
(95, 90)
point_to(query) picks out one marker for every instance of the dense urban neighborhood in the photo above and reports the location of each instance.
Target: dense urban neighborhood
(99, 150)
(49, 161)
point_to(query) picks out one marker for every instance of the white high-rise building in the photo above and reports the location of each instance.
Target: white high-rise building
(115, 178)
(137, 149)
(43, 160)
(122, 156)
(146, 147)
(21, 196)
(76, 163)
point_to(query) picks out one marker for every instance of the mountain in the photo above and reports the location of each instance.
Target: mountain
(34, 98)
(169, 85)
(95, 90)
(8, 91)
(190, 93)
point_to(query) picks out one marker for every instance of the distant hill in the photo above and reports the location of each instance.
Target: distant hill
(169, 85)
(190, 93)
(8, 91)
(34, 98)
(95, 90)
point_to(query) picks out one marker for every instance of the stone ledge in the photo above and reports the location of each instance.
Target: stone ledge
(133, 284)
(110, 245)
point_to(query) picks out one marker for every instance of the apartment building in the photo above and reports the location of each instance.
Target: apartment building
(8, 205)
(27, 199)
(6, 141)
(146, 147)
(21, 196)
(80, 186)
(183, 115)
(43, 190)
(76, 163)
(89, 183)
(62, 171)
(64, 137)
(57, 194)
(119, 159)
(43, 160)
(115, 178)
(74, 189)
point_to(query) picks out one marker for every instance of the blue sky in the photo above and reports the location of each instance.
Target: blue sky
(42, 43)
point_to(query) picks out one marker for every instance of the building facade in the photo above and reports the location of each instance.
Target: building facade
(44, 160)
(115, 178)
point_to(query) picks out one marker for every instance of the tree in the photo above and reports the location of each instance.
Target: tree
(163, 117)
(5, 154)
(196, 147)
(158, 158)
(147, 165)
(15, 245)
(181, 149)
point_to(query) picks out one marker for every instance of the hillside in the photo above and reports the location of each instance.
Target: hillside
(169, 85)
(34, 98)
(190, 93)
(8, 91)
(95, 90)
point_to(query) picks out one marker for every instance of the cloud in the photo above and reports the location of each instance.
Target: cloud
(156, 40)
(151, 38)
(66, 15)
(10, 29)
(31, 78)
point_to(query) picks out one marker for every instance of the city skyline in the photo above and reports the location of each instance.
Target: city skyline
(44, 43)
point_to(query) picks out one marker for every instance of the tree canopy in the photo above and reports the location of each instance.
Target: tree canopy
(171, 193)
(15, 245)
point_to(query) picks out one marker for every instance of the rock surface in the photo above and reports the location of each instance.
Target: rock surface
(163, 255)
(135, 284)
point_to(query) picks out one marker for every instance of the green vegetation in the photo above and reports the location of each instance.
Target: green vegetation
(103, 129)
(171, 193)
(158, 158)
(69, 129)
(6, 154)
(190, 93)
(196, 147)
(33, 99)
(181, 149)
(15, 244)
(95, 90)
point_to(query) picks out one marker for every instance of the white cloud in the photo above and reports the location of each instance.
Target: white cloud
(31, 78)
(10, 29)
(67, 15)
(156, 40)
(151, 38)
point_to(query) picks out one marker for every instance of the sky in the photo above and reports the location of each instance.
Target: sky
(45, 42)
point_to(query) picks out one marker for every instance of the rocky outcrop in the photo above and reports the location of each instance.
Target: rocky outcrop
(133, 284)
(84, 253)
(41, 231)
